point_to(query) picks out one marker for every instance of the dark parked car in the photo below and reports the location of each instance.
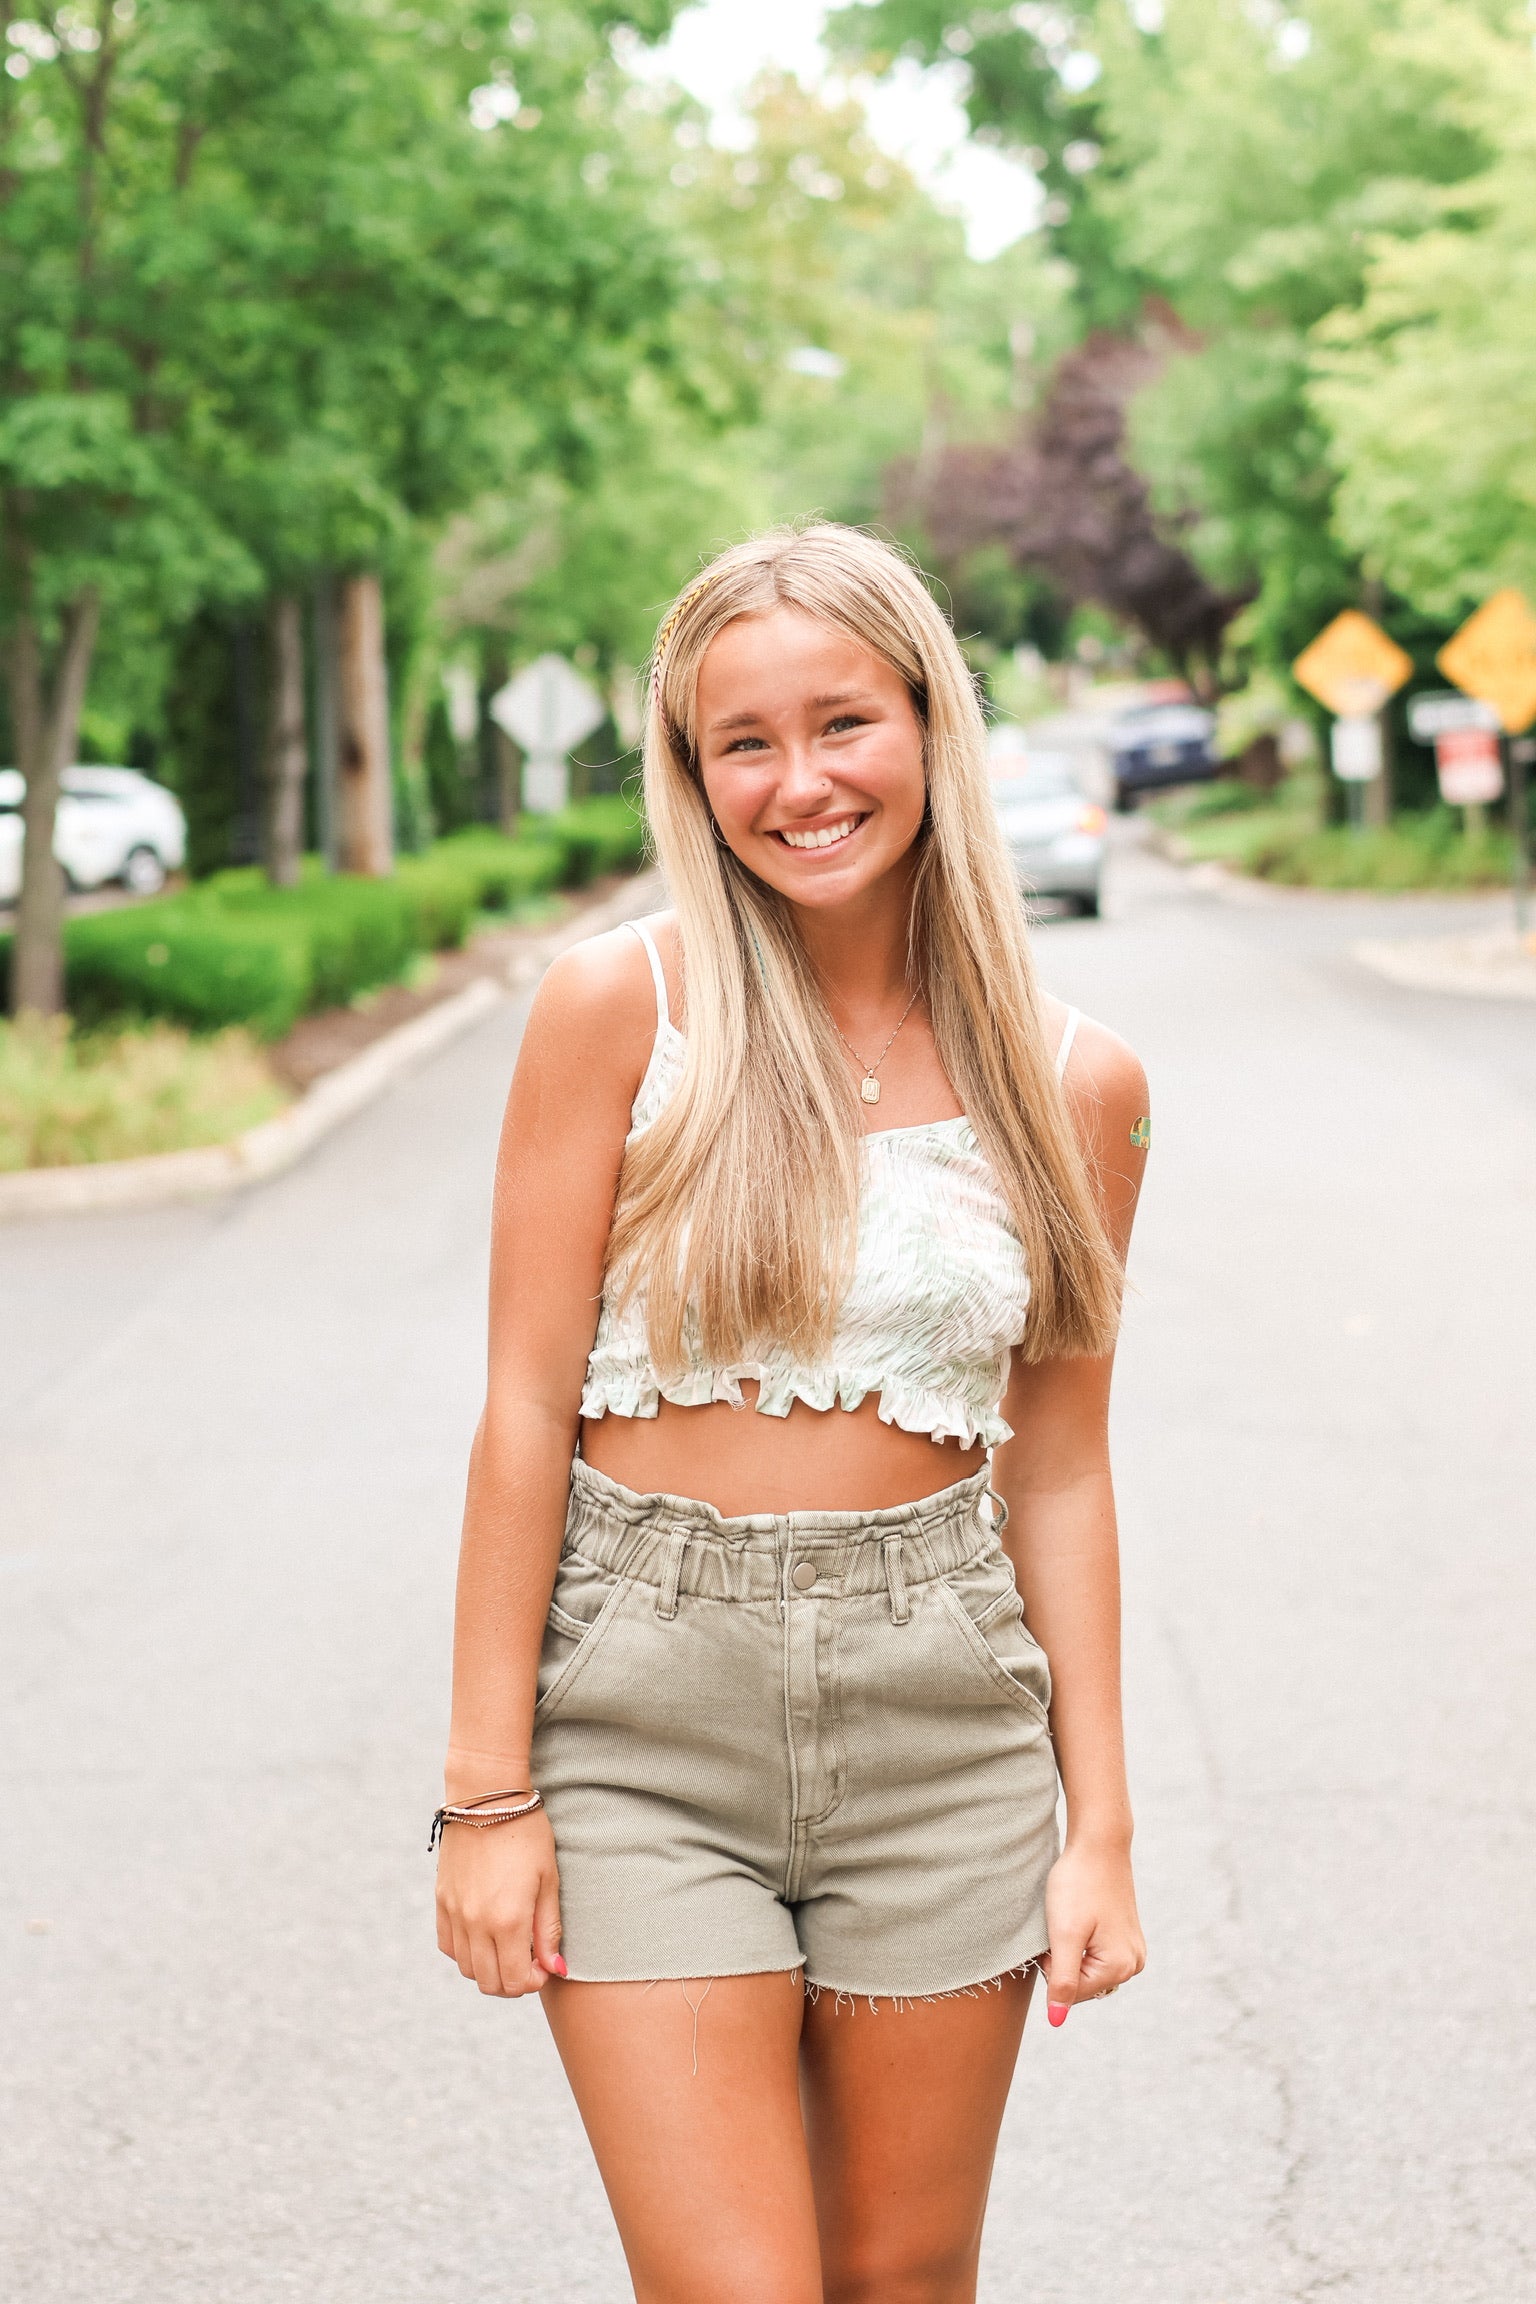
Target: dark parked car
(1157, 745)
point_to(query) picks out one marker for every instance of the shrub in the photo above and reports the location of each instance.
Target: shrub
(357, 933)
(234, 950)
(1226, 797)
(1289, 846)
(193, 963)
(502, 872)
(603, 834)
(67, 1096)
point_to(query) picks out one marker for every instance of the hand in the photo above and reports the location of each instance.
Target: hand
(1090, 1915)
(498, 1904)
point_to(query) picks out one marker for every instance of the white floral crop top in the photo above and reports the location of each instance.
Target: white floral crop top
(934, 1309)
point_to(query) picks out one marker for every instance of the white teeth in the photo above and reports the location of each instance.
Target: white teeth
(826, 838)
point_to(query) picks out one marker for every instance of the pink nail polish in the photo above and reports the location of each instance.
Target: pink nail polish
(1057, 2011)
(556, 1965)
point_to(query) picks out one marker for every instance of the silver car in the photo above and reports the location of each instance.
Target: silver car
(1056, 834)
(112, 824)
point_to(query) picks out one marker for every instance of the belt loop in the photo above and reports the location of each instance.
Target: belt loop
(671, 1575)
(895, 1582)
(999, 1506)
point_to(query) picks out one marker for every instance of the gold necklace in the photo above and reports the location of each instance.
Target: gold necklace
(869, 1086)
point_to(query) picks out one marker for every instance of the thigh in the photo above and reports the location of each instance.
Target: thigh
(902, 2108)
(689, 2094)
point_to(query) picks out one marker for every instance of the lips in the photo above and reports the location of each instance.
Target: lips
(824, 836)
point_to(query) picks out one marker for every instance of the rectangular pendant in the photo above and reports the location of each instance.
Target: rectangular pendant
(870, 1091)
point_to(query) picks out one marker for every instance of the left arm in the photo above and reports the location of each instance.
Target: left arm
(1054, 1476)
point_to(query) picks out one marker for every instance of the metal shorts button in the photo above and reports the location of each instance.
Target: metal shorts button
(803, 1575)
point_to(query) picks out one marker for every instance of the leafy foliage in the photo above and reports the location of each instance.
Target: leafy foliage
(1261, 173)
(1429, 387)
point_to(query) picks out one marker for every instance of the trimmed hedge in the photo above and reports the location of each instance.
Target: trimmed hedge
(234, 950)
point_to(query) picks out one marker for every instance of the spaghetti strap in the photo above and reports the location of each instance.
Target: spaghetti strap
(663, 1019)
(1063, 1053)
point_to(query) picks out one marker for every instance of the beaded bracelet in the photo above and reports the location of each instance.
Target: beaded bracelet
(473, 1812)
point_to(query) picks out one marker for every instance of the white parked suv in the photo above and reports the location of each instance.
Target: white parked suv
(113, 824)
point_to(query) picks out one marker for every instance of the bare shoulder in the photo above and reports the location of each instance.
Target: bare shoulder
(1104, 1070)
(1106, 1092)
(594, 1014)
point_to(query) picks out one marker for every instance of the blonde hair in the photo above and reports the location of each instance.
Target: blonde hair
(737, 1209)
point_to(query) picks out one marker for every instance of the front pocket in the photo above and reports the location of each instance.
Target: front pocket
(582, 1606)
(984, 1605)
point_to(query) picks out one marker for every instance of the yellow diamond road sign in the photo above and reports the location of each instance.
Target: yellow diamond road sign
(1352, 667)
(1493, 657)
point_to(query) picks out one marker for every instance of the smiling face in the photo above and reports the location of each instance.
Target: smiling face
(811, 755)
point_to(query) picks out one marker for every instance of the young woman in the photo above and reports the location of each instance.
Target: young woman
(809, 1223)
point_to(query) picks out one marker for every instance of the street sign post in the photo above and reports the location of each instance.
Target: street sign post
(1352, 668)
(1493, 657)
(547, 708)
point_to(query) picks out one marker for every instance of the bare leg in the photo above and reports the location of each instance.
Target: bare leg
(902, 2109)
(706, 2169)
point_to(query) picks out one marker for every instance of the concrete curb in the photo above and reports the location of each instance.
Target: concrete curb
(208, 1170)
(1493, 967)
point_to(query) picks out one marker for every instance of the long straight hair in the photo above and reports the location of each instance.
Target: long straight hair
(737, 1209)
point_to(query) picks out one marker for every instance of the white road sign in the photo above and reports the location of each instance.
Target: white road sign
(1356, 748)
(547, 708)
(1445, 713)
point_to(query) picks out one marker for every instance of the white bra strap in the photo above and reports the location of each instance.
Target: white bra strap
(1063, 1053)
(663, 1019)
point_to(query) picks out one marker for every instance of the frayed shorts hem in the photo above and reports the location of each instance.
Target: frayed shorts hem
(819, 1987)
(706, 1974)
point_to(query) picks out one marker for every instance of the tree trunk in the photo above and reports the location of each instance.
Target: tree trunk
(509, 780)
(327, 731)
(46, 732)
(366, 811)
(286, 752)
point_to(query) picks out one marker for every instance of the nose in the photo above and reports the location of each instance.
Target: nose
(804, 781)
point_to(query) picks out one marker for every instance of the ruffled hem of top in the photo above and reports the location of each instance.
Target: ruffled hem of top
(910, 1407)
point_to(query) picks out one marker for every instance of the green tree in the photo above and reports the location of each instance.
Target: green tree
(833, 329)
(1230, 163)
(1428, 388)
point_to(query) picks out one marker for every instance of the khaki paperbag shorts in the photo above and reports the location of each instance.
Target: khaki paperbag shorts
(805, 1738)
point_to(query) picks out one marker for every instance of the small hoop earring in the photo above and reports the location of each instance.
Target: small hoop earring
(720, 838)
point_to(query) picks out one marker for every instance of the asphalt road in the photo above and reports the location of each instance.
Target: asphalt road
(234, 2067)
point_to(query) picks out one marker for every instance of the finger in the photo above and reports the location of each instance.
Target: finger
(1064, 1974)
(487, 1968)
(546, 1926)
(520, 1972)
(462, 1954)
(445, 1930)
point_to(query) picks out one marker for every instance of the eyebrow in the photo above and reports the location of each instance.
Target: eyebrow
(818, 704)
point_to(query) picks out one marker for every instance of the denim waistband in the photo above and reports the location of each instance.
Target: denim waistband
(684, 1546)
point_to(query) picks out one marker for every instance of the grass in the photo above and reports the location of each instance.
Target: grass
(68, 1097)
(1280, 838)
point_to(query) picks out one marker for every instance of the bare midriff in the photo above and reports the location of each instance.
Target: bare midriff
(812, 1460)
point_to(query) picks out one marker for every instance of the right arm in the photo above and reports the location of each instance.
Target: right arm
(583, 1052)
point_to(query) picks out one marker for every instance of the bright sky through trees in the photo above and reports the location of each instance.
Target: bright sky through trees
(718, 46)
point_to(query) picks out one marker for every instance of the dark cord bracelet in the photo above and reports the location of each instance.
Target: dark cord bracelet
(478, 1813)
